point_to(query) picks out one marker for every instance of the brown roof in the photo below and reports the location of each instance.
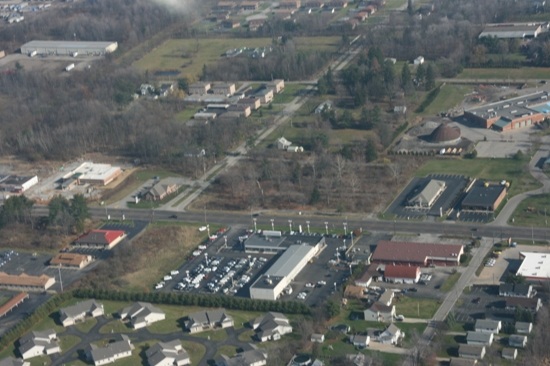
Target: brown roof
(368, 273)
(522, 301)
(445, 133)
(354, 291)
(238, 108)
(71, 259)
(23, 280)
(247, 101)
(377, 306)
(413, 252)
(14, 301)
(401, 271)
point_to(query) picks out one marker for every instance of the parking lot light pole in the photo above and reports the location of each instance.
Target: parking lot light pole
(290, 225)
(225, 238)
(273, 224)
(345, 228)
(326, 227)
(255, 228)
(208, 228)
(307, 222)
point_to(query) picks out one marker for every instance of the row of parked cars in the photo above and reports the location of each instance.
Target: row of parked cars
(6, 256)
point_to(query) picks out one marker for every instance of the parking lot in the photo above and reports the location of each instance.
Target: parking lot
(482, 302)
(21, 311)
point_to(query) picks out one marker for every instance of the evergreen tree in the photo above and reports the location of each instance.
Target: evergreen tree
(315, 195)
(420, 74)
(79, 211)
(389, 73)
(57, 205)
(405, 76)
(370, 152)
(430, 77)
(410, 8)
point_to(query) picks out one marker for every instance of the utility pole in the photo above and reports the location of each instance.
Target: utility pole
(60, 279)
(273, 224)
(290, 225)
(255, 228)
(326, 226)
(307, 222)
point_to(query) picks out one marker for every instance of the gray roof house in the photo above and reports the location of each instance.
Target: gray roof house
(167, 354)
(360, 341)
(141, 314)
(511, 290)
(379, 312)
(387, 297)
(122, 347)
(428, 195)
(462, 362)
(488, 326)
(79, 311)
(524, 327)
(38, 343)
(251, 356)
(390, 335)
(517, 340)
(509, 353)
(271, 326)
(317, 337)
(477, 338)
(474, 352)
(209, 319)
(10, 361)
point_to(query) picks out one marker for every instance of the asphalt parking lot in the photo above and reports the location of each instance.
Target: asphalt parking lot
(482, 302)
(23, 310)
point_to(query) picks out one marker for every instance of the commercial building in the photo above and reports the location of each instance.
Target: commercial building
(71, 260)
(121, 348)
(12, 303)
(510, 114)
(25, 282)
(428, 195)
(10, 361)
(507, 31)
(141, 314)
(534, 267)
(160, 190)
(417, 254)
(532, 304)
(168, 354)
(97, 174)
(402, 274)
(79, 311)
(488, 326)
(484, 198)
(271, 326)
(474, 352)
(199, 88)
(369, 274)
(269, 241)
(100, 239)
(225, 89)
(69, 47)
(250, 356)
(516, 290)
(271, 284)
(208, 319)
(14, 183)
(239, 110)
(445, 134)
(478, 338)
(38, 343)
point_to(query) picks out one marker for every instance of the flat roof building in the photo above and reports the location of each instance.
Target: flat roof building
(17, 183)
(98, 174)
(535, 266)
(482, 198)
(506, 31)
(274, 242)
(69, 47)
(25, 282)
(417, 254)
(402, 274)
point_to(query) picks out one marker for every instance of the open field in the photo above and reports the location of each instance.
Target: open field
(450, 282)
(514, 74)
(144, 175)
(291, 91)
(493, 170)
(536, 217)
(416, 308)
(450, 96)
(189, 55)
(186, 114)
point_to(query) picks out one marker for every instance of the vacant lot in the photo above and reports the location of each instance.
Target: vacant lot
(532, 212)
(189, 55)
(416, 308)
(450, 96)
(291, 91)
(514, 74)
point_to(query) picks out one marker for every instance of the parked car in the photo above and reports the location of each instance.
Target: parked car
(399, 318)
(477, 300)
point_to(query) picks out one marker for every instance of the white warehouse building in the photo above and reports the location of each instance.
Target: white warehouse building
(69, 47)
(283, 271)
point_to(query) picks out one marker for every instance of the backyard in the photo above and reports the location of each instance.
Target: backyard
(416, 308)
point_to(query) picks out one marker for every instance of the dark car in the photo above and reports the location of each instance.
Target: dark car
(477, 300)
(174, 216)
(413, 289)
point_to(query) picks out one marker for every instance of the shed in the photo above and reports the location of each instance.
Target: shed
(509, 353)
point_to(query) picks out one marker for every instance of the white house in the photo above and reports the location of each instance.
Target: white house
(283, 144)
(251, 356)
(142, 314)
(318, 338)
(79, 311)
(167, 354)
(479, 339)
(517, 340)
(379, 312)
(209, 319)
(271, 326)
(38, 343)
(488, 326)
(523, 327)
(113, 351)
(419, 60)
(473, 352)
(390, 335)
(360, 341)
(387, 297)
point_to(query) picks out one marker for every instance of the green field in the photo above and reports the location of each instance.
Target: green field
(450, 96)
(195, 350)
(291, 91)
(189, 55)
(514, 74)
(86, 326)
(450, 282)
(417, 308)
(186, 114)
(536, 217)
(493, 170)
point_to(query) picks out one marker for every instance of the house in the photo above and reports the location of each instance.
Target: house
(488, 326)
(509, 353)
(225, 89)
(226, 5)
(141, 314)
(160, 190)
(336, 4)
(24, 282)
(251, 356)
(167, 354)
(283, 143)
(199, 88)
(362, 16)
(253, 103)
(209, 319)
(479, 339)
(369, 274)
(360, 341)
(402, 274)
(38, 343)
(71, 260)
(370, 10)
(524, 327)
(290, 4)
(271, 326)
(146, 89)
(230, 24)
(256, 22)
(474, 352)
(316, 337)
(240, 109)
(379, 312)
(391, 335)
(462, 362)
(79, 311)
(387, 297)
(205, 116)
(295, 149)
(166, 89)
(315, 4)
(419, 60)
(10, 361)
(400, 109)
(516, 290)
(100, 239)
(249, 5)
(265, 96)
(194, 153)
(120, 348)
(325, 106)
(517, 340)
(341, 328)
(277, 85)
(533, 304)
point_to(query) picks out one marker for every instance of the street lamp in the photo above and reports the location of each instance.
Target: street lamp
(307, 222)
(255, 229)
(206, 258)
(290, 225)
(273, 224)
(225, 238)
(345, 228)
(326, 226)
(208, 230)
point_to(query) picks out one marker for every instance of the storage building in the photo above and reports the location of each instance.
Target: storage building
(69, 47)
(417, 254)
(402, 274)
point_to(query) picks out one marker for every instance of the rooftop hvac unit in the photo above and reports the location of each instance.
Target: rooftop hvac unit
(514, 111)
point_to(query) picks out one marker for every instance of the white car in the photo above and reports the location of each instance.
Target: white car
(159, 286)
(202, 228)
(167, 278)
(174, 272)
(321, 283)
(399, 317)
(309, 284)
(503, 183)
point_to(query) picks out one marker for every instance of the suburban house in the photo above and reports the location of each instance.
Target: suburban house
(318, 338)
(249, 5)
(379, 312)
(79, 311)
(10, 361)
(165, 89)
(167, 354)
(462, 362)
(271, 326)
(523, 327)
(479, 339)
(402, 274)
(71, 260)
(390, 335)
(141, 314)
(38, 343)
(387, 297)
(509, 353)
(533, 304)
(277, 85)
(161, 190)
(224, 89)
(283, 144)
(360, 341)
(468, 351)
(253, 103)
(341, 328)
(512, 290)
(209, 319)
(365, 278)
(400, 109)
(250, 356)
(517, 340)
(100, 239)
(199, 88)
(122, 347)
(419, 60)
(488, 326)
(265, 96)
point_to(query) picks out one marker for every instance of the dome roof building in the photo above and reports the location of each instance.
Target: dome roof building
(445, 134)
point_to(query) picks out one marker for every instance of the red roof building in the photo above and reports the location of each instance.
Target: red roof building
(402, 274)
(100, 239)
(13, 302)
(417, 254)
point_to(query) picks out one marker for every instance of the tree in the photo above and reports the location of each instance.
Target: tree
(56, 206)
(322, 86)
(410, 8)
(515, 279)
(518, 155)
(79, 211)
(430, 77)
(405, 77)
(333, 308)
(183, 84)
(315, 195)
(370, 151)
(420, 74)
(389, 72)
(17, 209)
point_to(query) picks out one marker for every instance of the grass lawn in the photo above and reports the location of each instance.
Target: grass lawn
(186, 114)
(341, 347)
(116, 326)
(409, 307)
(449, 96)
(291, 91)
(86, 326)
(172, 323)
(195, 350)
(67, 342)
(184, 197)
(137, 358)
(145, 204)
(450, 282)
(247, 336)
(229, 351)
(536, 216)
(213, 335)
(462, 327)
(514, 74)
(493, 170)
(4, 299)
(189, 55)
(144, 175)
(51, 322)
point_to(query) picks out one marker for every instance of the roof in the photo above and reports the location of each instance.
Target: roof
(510, 352)
(24, 280)
(511, 109)
(367, 273)
(516, 338)
(381, 308)
(487, 324)
(478, 336)
(267, 323)
(207, 317)
(249, 356)
(413, 252)
(10, 361)
(16, 180)
(392, 329)
(72, 259)
(429, 192)
(80, 307)
(15, 300)
(392, 271)
(358, 338)
(535, 265)
(100, 236)
(462, 362)
(97, 171)
(121, 346)
(510, 31)
(444, 133)
(289, 260)
(481, 195)
(67, 44)
(523, 326)
(523, 302)
(37, 338)
(470, 349)
(139, 310)
(163, 352)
